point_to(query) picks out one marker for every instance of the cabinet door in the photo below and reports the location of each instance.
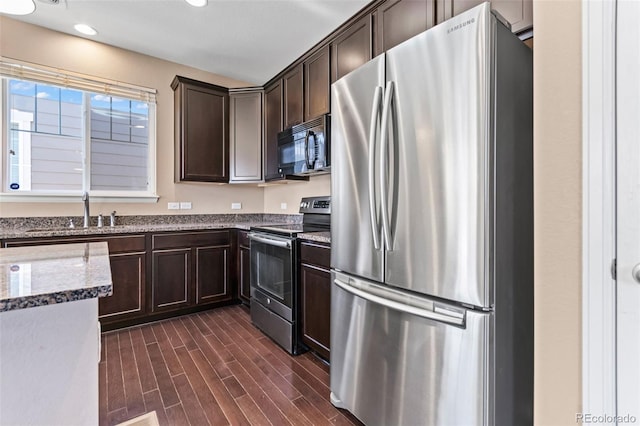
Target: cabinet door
(316, 84)
(351, 49)
(293, 97)
(212, 274)
(202, 124)
(245, 134)
(171, 278)
(399, 20)
(316, 308)
(519, 13)
(273, 125)
(244, 275)
(128, 298)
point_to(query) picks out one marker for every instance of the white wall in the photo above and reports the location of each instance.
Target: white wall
(292, 191)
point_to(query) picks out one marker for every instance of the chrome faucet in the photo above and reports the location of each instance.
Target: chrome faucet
(87, 217)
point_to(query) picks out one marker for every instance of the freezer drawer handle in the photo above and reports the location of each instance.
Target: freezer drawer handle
(373, 210)
(270, 241)
(401, 307)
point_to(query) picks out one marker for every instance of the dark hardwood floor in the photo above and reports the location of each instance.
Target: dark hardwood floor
(211, 368)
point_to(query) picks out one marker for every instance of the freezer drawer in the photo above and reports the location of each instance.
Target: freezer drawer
(389, 366)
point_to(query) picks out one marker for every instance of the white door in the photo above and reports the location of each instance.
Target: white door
(628, 208)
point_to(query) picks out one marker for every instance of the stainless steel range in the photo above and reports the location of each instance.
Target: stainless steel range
(274, 275)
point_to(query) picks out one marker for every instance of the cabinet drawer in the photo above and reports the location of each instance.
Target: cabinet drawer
(243, 238)
(124, 244)
(315, 254)
(189, 239)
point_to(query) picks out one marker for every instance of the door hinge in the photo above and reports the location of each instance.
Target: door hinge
(614, 269)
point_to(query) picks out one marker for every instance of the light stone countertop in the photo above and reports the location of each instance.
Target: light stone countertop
(321, 237)
(57, 227)
(44, 275)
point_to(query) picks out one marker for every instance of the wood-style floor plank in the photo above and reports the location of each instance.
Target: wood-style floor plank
(132, 386)
(170, 358)
(210, 406)
(176, 416)
(147, 378)
(165, 384)
(261, 399)
(115, 384)
(212, 367)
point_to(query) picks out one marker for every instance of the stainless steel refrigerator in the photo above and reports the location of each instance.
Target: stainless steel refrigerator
(432, 230)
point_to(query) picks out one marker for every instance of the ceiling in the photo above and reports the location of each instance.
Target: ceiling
(248, 40)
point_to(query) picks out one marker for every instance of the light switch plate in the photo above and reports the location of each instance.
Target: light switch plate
(173, 206)
(283, 206)
(236, 206)
(185, 205)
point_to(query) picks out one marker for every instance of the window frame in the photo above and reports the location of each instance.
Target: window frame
(148, 196)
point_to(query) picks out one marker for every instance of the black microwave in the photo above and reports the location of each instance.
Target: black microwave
(304, 149)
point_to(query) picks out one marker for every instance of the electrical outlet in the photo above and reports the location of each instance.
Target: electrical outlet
(236, 206)
(173, 206)
(283, 206)
(185, 205)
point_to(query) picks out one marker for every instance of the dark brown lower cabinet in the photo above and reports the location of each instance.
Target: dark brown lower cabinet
(171, 272)
(244, 278)
(128, 274)
(189, 269)
(244, 267)
(212, 274)
(315, 297)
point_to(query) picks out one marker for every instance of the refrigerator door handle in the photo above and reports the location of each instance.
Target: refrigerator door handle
(373, 210)
(384, 184)
(399, 303)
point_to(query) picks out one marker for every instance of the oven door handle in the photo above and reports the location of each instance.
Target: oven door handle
(270, 241)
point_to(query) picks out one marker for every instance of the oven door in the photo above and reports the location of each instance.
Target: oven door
(272, 273)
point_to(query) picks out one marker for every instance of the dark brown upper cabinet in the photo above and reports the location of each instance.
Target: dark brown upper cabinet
(202, 131)
(272, 126)
(293, 97)
(352, 48)
(399, 20)
(316, 84)
(245, 135)
(519, 13)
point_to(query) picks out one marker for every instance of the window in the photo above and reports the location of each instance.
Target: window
(62, 140)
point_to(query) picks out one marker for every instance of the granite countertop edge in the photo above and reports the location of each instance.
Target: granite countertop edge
(64, 296)
(320, 237)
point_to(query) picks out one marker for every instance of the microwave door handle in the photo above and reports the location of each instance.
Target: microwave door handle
(310, 164)
(373, 206)
(384, 181)
(306, 149)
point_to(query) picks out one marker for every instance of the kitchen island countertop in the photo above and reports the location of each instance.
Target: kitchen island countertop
(45, 275)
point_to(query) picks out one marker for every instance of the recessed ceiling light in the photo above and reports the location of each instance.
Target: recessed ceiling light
(85, 29)
(197, 3)
(17, 7)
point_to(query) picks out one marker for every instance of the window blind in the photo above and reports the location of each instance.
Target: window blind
(12, 68)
